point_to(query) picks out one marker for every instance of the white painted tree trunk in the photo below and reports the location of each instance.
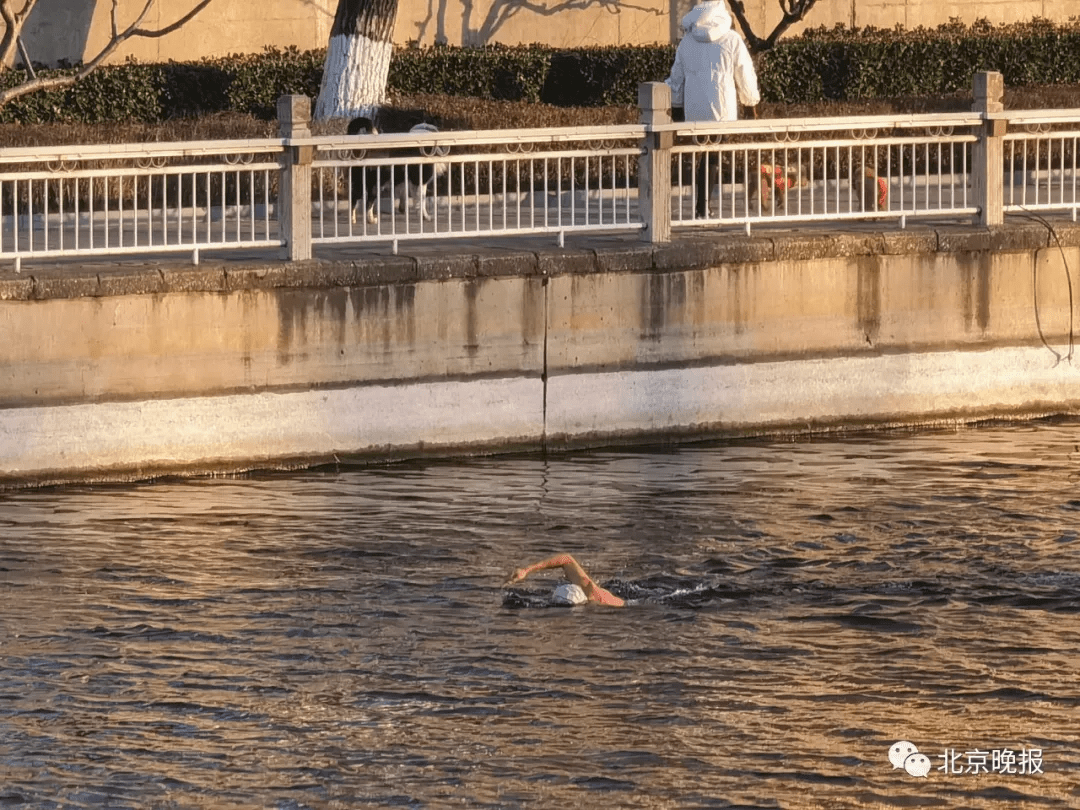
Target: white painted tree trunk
(354, 77)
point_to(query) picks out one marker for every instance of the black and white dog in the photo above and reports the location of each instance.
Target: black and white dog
(402, 180)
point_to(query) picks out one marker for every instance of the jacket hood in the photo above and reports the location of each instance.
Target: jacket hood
(707, 22)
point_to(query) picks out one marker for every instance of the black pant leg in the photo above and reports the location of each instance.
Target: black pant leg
(701, 209)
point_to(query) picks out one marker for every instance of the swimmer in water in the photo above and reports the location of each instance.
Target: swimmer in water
(579, 590)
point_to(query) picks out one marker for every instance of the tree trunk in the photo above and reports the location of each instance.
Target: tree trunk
(357, 59)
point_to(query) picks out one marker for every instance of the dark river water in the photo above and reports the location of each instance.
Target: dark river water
(341, 638)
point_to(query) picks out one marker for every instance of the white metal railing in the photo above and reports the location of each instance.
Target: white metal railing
(1040, 153)
(138, 199)
(836, 169)
(496, 183)
(297, 192)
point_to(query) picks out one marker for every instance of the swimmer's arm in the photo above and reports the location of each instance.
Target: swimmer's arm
(571, 570)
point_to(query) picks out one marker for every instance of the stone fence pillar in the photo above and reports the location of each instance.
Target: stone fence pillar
(654, 172)
(294, 192)
(987, 154)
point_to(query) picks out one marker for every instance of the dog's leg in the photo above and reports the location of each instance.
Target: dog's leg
(356, 187)
(869, 190)
(364, 192)
(792, 182)
(401, 197)
(419, 176)
(373, 195)
(760, 190)
(422, 194)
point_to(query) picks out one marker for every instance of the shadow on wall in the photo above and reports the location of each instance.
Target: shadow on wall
(57, 31)
(477, 28)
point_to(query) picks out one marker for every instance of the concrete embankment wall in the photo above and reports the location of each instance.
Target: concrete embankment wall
(112, 373)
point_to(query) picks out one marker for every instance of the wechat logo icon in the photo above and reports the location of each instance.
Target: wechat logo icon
(905, 755)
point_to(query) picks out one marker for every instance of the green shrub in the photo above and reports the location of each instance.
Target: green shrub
(191, 90)
(254, 83)
(135, 92)
(853, 64)
(43, 107)
(595, 77)
(580, 77)
(495, 72)
(116, 93)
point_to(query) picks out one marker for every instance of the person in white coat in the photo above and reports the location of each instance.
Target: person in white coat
(712, 74)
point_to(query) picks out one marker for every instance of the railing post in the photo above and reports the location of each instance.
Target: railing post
(987, 154)
(654, 172)
(294, 193)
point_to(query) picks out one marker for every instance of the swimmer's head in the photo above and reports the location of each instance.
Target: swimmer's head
(568, 595)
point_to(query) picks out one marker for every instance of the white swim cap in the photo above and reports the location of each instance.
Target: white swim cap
(569, 594)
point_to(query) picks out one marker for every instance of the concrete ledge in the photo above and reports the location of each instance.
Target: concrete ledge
(911, 242)
(1007, 238)
(629, 259)
(16, 289)
(689, 250)
(581, 262)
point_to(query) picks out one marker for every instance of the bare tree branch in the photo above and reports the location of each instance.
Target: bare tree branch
(794, 11)
(13, 25)
(11, 31)
(117, 39)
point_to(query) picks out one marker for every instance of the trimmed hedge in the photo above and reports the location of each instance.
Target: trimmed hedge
(594, 77)
(847, 65)
(127, 92)
(152, 93)
(495, 72)
(822, 64)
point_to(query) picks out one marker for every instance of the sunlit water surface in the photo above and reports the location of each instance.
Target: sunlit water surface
(341, 638)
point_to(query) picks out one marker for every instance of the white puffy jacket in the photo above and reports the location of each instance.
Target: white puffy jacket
(713, 70)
